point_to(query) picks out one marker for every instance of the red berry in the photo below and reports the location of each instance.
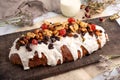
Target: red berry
(71, 20)
(44, 26)
(87, 15)
(93, 27)
(62, 32)
(34, 41)
(101, 19)
(87, 9)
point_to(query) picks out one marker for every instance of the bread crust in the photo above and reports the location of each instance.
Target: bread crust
(36, 61)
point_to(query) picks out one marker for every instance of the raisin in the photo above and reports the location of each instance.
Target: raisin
(75, 35)
(57, 38)
(53, 40)
(17, 46)
(34, 42)
(39, 41)
(100, 31)
(91, 33)
(45, 42)
(46, 38)
(50, 46)
(83, 33)
(28, 47)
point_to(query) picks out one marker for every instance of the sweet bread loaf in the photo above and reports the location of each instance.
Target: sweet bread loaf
(56, 43)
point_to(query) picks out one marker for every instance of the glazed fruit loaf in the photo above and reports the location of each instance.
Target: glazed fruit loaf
(56, 43)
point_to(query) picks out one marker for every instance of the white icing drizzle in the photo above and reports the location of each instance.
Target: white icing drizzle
(102, 38)
(53, 55)
(90, 43)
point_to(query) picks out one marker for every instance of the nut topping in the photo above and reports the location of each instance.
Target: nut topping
(52, 32)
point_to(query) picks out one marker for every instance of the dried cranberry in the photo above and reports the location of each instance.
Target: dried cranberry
(34, 41)
(93, 27)
(62, 32)
(17, 46)
(71, 20)
(44, 26)
(101, 19)
(87, 15)
(87, 8)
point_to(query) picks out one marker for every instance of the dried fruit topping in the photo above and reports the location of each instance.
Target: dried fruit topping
(93, 27)
(39, 41)
(17, 46)
(50, 46)
(87, 8)
(28, 47)
(44, 26)
(87, 15)
(45, 42)
(57, 38)
(53, 39)
(75, 35)
(46, 38)
(71, 20)
(50, 33)
(62, 32)
(34, 41)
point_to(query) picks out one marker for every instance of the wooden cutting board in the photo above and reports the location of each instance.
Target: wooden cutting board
(15, 72)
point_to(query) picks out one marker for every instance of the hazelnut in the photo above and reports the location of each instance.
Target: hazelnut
(31, 34)
(83, 29)
(37, 36)
(56, 33)
(83, 24)
(76, 27)
(57, 24)
(72, 28)
(36, 31)
(40, 36)
(59, 28)
(47, 32)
